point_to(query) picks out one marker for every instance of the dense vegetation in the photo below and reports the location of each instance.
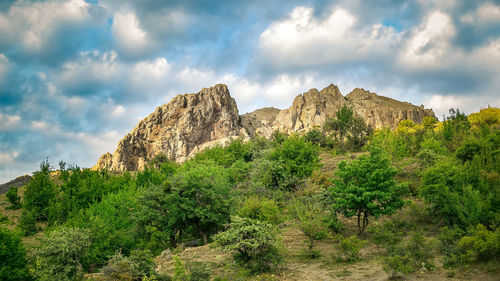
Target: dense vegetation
(239, 195)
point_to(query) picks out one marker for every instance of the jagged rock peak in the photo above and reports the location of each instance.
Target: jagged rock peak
(178, 129)
(190, 123)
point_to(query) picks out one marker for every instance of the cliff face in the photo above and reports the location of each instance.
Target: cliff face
(191, 122)
(184, 126)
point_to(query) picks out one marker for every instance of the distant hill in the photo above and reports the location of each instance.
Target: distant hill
(19, 181)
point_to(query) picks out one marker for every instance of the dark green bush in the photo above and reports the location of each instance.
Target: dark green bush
(27, 223)
(13, 198)
(40, 192)
(12, 257)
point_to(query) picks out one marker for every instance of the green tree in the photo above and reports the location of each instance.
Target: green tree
(366, 187)
(40, 192)
(12, 257)
(197, 198)
(347, 126)
(60, 253)
(13, 198)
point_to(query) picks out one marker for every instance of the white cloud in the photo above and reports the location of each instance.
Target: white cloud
(467, 104)
(8, 122)
(129, 35)
(486, 13)
(32, 24)
(303, 40)
(430, 46)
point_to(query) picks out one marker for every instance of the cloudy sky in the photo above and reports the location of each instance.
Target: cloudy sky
(76, 76)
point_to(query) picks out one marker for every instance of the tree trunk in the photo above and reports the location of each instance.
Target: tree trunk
(359, 223)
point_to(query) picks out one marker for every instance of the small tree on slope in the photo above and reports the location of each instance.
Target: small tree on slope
(366, 187)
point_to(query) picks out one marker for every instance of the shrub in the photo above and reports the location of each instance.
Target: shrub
(394, 264)
(262, 209)
(312, 224)
(198, 271)
(27, 223)
(13, 198)
(348, 248)
(138, 266)
(252, 243)
(180, 273)
(12, 257)
(482, 245)
(416, 254)
(59, 255)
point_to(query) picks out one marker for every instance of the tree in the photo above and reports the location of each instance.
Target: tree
(348, 126)
(12, 257)
(13, 198)
(366, 187)
(40, 192)
(60, 253)
(196, 198)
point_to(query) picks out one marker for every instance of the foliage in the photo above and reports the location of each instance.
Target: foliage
(415, 254)
(27, 223)
(39, 193)
(253, 244)
(180, 273)
(197, 196)
(482, 245)
(60, 254)
(198, 271)
(348, 248)
(366, 187)
(137, 266)
(296, 158)
(487, 116)
(12, 257)
(348, 126)
(260, 208)
(311, 223)
(111, 226)
(13, 198)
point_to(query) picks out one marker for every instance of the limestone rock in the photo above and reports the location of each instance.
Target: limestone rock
(192, 122)
(184, 126)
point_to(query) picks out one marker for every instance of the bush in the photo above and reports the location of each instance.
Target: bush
(137, 266)
(482, 245)
(60, 254)
(13, 198)
(198, 271)
(262, 209)
(27, 223)
(12, 257)
(296, 159)
(312, 224)
(348, 248)
(252, 243)
(416, 254)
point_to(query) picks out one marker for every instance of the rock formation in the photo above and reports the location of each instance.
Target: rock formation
(184, 126)
(191, 122)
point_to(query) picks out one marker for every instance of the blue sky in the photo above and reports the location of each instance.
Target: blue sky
(76, 76)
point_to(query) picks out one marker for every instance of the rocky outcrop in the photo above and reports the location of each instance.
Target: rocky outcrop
(189, 123)
(184, 126)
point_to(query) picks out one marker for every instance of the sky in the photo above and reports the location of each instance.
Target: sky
(76, 76)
